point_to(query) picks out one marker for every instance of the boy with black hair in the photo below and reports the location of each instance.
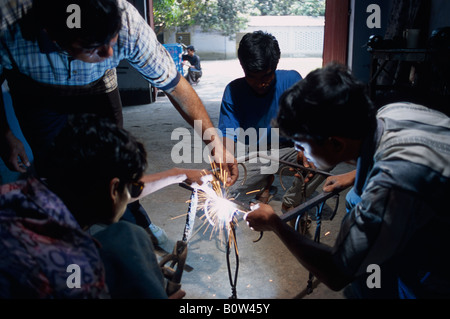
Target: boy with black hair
(400, 223)
(250, 103)
(96, 170)
(54, 69)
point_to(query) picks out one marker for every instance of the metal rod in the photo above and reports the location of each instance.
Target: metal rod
(302, 208)
(295, 165)
(186, 186)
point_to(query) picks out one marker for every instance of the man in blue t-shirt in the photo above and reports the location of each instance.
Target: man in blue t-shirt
(248, 106)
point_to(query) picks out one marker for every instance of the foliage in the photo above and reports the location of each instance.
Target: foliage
(273, 8)
(313, 8)
(176, 13)
(289, 7)
(226, 16)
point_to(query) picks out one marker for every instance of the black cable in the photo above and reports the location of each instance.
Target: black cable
(233, 282)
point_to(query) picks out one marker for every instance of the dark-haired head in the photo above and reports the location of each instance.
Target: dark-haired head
(259, 51)
(86, 156)
(328, 102)
(100, 21)
(259, 55)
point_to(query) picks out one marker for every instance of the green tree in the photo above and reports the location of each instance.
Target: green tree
(309, 8)
(176, 13)
(225, 16)
(274, 8)
(289, 7)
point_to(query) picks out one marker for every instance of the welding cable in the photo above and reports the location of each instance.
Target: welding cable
(298, 171)
(245, 173)
(281, 177)
(233, 282)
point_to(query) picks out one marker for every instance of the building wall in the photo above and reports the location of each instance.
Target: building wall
(296, 41)
(297, 37)
(209, 45)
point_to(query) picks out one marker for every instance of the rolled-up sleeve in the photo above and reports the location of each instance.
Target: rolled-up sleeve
(228, 122)
(145, 53)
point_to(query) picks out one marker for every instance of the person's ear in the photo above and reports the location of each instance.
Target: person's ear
(336, 144)
(114, 189)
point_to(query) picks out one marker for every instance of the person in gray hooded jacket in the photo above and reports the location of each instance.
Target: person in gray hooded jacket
(391, 242)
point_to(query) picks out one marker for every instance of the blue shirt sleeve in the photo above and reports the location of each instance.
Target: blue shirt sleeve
(241, 108)
(227, 118)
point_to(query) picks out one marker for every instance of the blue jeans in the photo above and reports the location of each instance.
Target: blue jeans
(351, 200)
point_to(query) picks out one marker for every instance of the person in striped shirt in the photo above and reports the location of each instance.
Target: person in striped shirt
(54, 68)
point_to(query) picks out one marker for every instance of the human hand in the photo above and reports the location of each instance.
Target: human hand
(223, 158)
(233, 173)
(261, 218)
(302, 159)
(179, 294)
(13, 153)
(197, 176)
(339, 182)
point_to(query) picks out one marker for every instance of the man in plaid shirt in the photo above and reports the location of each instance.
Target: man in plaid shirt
(54, 69)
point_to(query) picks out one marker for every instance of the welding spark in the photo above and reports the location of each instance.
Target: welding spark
(219, 211)
(254, 191)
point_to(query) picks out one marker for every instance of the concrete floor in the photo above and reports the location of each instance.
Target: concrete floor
(266, 269)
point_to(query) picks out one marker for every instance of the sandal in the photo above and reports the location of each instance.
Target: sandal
(267, 195)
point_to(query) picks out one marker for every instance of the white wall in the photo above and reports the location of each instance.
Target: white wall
(209, 45)
(296, 41)
(297, 37)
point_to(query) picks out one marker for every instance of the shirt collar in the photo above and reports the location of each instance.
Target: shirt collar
(46, 45)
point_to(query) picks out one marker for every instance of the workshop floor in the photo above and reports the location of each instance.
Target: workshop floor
(266, 269)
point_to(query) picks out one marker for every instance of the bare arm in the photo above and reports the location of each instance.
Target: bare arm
(187, 102)
(12, 150)
(339, 182)
(157, 181)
